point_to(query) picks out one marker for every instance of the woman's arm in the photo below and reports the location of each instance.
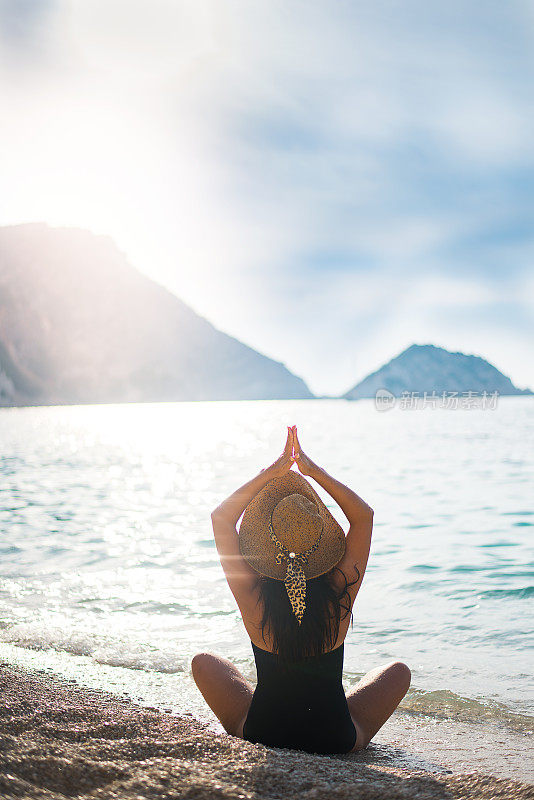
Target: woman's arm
(240, 575)
(359, 514)
(352, 505)
(232, 508)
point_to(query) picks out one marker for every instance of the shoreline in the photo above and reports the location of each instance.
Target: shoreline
(58, 739)
(51, 403)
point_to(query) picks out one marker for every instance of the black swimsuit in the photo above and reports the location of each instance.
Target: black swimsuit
(302, 707)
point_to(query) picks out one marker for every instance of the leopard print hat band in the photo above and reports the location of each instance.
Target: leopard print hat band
(295, 580)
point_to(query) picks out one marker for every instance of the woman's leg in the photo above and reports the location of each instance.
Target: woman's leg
(374, 699)
(224, 689)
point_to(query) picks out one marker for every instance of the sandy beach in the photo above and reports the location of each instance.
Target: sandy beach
(58, 739)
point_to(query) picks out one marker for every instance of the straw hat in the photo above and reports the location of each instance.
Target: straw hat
(287, 533)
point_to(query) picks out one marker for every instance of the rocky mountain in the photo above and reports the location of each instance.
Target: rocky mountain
(426, 368)
(78, 324)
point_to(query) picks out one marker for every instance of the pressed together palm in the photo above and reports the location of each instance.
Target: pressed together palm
(304, 463)
(293, 454)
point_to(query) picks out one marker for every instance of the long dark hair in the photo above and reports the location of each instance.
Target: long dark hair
(319, 629)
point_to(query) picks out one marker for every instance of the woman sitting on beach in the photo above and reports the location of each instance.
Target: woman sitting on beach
(295, 576)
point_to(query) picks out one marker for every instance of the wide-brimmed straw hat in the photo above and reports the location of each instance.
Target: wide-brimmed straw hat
(287, 533)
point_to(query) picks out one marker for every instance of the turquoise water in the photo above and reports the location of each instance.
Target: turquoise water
(109, 573)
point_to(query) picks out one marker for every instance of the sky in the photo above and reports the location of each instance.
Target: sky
(329, 182)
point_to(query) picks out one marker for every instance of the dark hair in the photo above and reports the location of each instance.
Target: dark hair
(319, 629)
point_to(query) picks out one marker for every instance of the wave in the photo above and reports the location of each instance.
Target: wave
(101, 648)
(520, 594)
(132, 654)
(444, 704)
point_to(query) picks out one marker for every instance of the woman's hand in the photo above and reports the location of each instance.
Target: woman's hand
(304, 463)
(285, 462)
(232, 508)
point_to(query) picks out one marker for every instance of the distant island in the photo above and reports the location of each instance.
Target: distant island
(78, 324)
(427, 368)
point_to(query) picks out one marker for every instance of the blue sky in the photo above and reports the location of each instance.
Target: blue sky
(327, 181)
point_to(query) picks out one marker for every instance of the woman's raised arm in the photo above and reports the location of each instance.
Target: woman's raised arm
(359, 514)
(355, 509)
(240, 575)
(232, 508)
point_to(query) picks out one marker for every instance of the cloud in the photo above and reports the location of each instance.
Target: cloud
(315, 183)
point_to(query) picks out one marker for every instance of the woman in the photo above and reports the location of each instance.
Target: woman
(295, 577)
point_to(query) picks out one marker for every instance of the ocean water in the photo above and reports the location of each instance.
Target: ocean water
(109, 574)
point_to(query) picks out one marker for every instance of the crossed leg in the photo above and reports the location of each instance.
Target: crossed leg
(374, 699)
(224, 689)
(371, 703)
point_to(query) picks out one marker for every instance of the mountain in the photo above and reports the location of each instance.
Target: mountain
(426, 368)
(78, 324)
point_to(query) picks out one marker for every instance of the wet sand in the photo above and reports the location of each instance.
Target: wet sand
(60, 740)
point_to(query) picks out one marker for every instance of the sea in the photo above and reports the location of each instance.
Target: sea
(109, 576)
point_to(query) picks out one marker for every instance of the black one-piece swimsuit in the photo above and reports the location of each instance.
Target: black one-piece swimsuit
(301, 706)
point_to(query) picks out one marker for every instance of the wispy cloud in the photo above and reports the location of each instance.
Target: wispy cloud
(327, 183)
